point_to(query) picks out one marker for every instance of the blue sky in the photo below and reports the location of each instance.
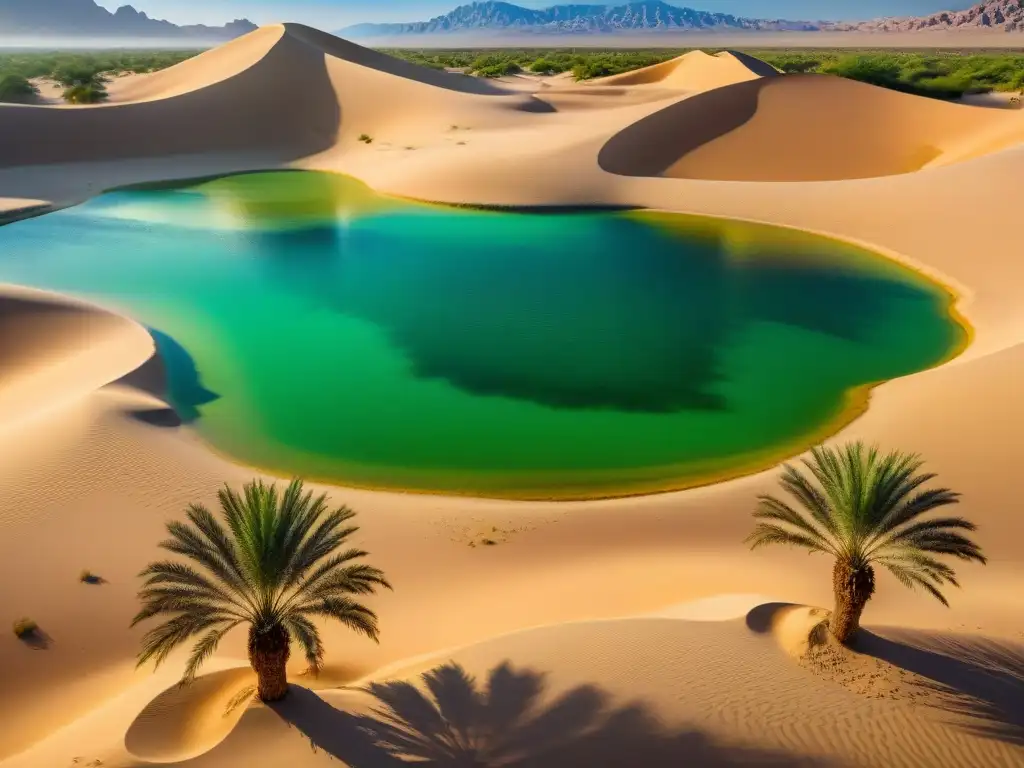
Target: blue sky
(332, 14)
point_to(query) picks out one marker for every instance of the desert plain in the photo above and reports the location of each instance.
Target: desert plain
(628, 632)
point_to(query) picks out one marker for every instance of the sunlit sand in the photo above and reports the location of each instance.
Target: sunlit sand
(638, 631)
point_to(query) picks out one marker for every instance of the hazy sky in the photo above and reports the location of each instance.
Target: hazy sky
(332, 14)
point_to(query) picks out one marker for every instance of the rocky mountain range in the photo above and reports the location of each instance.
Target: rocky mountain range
(86, 19)
(1005, 15)
(652, 15)
(496, 16)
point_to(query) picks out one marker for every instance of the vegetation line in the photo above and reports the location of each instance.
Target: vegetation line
(940, 74)
(82, 75)
(943, 74)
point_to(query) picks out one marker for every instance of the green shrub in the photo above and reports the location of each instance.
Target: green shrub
(544, 67)
(24, 628)
(365, 138)
(15, 88)
(76, 73)
(939, 74)
(85, 67)
(500, 69)
(88, 577)
(85, 94)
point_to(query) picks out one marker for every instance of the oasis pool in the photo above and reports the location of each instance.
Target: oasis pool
(312, 327)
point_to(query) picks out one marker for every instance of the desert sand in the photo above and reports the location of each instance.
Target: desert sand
(633, 632)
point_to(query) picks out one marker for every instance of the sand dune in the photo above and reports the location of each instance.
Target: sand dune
(575, 695)
(90, 473)
(763, 130)
(52, 350)
(233, 98)
(696, 71)
(722, 691)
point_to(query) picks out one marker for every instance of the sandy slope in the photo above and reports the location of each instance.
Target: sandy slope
(696, 71)
(88, 480)
(54, 350)
(748, 133)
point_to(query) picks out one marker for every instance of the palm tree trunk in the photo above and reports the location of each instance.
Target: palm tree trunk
(268, 655)
(853, 588)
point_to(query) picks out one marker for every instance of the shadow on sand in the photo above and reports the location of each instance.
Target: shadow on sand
(37, 640)
(170, 374)
(451, 722)
(974, 677)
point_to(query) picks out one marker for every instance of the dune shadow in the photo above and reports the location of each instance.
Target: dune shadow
(167, 418)
(169, 374)
(537, 105)
(382, 62)
(452, 722)
(184, 387)
(763, 618)
(976, 677)
(651, 146)
(258, 111)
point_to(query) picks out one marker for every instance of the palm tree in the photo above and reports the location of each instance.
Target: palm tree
(277, 565)
(866, 510)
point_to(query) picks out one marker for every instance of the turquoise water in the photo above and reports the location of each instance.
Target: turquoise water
(314, 328)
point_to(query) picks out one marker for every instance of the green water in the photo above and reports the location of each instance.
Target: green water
(313, 328)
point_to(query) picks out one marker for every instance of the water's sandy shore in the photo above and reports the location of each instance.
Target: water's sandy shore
(86, 483)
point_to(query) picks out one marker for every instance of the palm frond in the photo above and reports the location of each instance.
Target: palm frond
(911, 577)
(769, 533)
(911, 508)
(328, 566)
(350, 613)
(203, 649)
(771, 508)
(359, 579)
(190, 541)
(323, 540)
(308, 638)
(174, 600)
(304, 511)
(170, 574)
(810, 498)
(160, 641)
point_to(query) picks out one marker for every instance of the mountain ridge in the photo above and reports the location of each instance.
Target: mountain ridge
(995, 15)
(85, 18)
(657, 16)
(649, 15)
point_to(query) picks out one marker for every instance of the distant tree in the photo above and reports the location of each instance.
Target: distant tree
(15, 88)
(85, 94)
(77, 73)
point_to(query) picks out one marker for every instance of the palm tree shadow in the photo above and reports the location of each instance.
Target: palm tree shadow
(451, 722)
(979, 678)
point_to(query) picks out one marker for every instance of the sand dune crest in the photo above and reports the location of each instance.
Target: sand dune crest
(805, 128)
(695, 71)
(53, 349)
